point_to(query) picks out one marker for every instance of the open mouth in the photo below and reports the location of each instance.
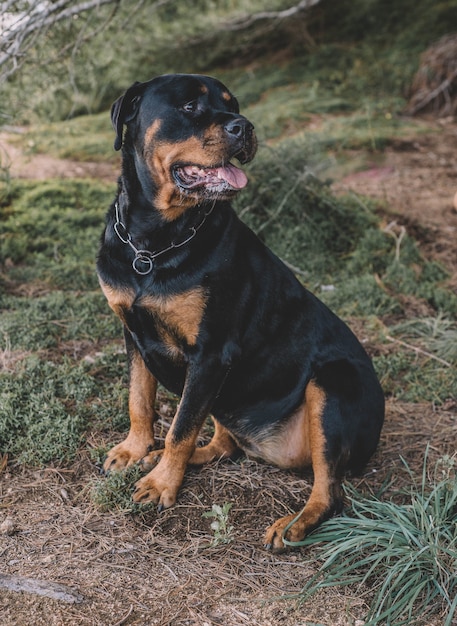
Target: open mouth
(224, 178)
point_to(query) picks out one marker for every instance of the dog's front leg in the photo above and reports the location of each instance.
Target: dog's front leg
(142, 393)
(161, 485)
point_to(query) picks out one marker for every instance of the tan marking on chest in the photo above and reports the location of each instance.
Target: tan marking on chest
(118, 299)
(181, 313)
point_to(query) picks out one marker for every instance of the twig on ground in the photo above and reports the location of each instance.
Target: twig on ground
(418, 350)
(40, 588)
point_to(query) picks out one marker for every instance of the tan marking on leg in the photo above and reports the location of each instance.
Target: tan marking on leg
(181, 313)
(140, 439)
(221, 446)
(320, 500)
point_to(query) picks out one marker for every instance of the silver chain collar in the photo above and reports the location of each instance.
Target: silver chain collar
(143, 262)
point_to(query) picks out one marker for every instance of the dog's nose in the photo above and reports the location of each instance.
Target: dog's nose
(238, 127)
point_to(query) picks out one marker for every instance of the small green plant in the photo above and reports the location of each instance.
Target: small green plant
(405, 553)
(223, 532)
(114, 492)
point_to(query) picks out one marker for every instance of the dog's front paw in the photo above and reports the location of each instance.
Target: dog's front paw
(155, 488)
(149, 461)
(127, 453)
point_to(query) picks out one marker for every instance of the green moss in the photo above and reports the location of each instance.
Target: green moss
(115, 492)
(359, 296)
(42, 416)
(50, 232)
(46, 407)
(412, 378)
(84, 138)
(46, 321)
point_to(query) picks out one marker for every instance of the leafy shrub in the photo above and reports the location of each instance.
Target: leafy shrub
(296, 214)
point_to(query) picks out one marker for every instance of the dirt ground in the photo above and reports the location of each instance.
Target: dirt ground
(417, 181)
(150, 569)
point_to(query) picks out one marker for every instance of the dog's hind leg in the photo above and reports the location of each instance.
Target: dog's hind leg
(221, 446)
(326, 494)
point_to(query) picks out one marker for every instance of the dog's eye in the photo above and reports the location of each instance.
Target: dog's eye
(190, 107)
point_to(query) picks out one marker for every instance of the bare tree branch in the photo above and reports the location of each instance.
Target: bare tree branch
(264, 21)
(21, 25)
(24, 22)
(443, 88)
(245, 22)
(47, 588)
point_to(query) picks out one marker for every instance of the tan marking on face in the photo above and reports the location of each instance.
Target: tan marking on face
(152, 132)
(227, 97)
(118, 299)
(207, 151)
(203, 89)
(181, 314)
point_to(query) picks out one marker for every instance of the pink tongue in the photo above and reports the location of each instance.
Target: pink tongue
(234, 176)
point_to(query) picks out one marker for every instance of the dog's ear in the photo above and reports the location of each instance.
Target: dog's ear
(124, 109)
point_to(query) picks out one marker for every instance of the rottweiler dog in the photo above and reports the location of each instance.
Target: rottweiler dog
(215, 317)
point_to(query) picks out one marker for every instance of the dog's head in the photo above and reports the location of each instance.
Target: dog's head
(184, 130)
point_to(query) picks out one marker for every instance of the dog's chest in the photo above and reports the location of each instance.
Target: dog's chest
(174, 318)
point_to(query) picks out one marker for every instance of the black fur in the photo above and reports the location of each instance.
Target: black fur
(262, 337)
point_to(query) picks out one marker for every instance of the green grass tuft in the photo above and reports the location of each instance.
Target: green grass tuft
(410, 377)
(405, 553)
(435, 334)
(114, 492)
